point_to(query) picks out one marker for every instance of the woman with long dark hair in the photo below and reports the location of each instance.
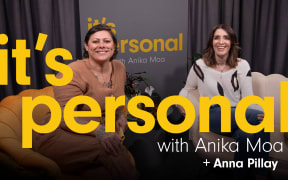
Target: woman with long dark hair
(222, 72)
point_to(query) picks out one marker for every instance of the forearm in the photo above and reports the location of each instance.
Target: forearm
(121, 120)
(100, 132)
(80, 121)
(120, 115)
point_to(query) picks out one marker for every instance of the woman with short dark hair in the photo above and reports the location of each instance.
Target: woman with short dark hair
(98, 154)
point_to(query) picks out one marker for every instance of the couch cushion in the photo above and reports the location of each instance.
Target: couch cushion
(271, 88)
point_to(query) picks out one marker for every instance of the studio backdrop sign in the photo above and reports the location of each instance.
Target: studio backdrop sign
(152, 37)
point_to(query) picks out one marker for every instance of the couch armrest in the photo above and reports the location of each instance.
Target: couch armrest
(11, 169)
(193, 96)
(28, 159)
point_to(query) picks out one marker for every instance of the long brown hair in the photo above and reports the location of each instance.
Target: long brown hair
(209, 54)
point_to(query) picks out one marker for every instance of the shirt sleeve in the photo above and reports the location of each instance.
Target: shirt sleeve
(123, 77)
(245, 79)
(191, 83)
(75, 87)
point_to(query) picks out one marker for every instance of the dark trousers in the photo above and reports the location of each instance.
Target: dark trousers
(242, 137)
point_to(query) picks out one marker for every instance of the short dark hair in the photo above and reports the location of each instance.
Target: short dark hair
(209, 54)
(101, 27)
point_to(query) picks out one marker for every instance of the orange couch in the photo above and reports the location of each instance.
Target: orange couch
(12, 154)
(11, 135)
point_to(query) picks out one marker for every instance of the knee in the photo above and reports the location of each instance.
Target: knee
(251, 116)
(242, 136)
